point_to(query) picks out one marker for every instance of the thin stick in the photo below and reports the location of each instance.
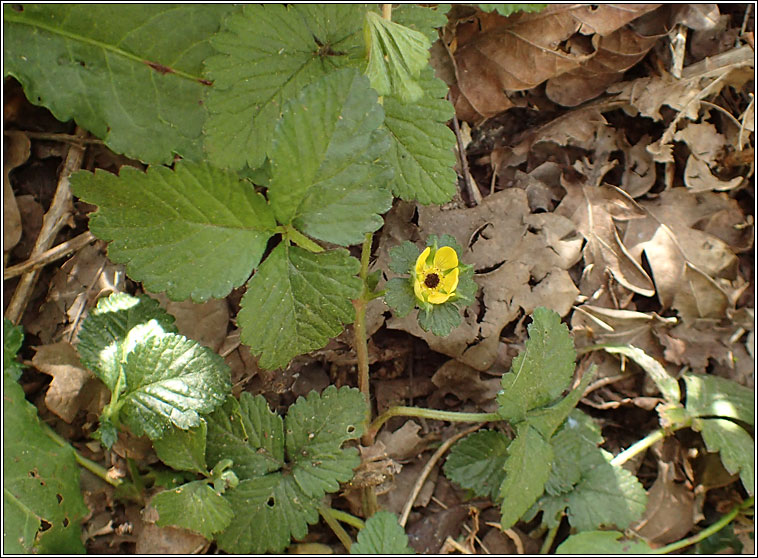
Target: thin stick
(428, 469)
(64, 138)
(387, 11)
(52, 223)
(61, 250)
(472, 189)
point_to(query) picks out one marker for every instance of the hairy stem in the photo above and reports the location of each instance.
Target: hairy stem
(359, 327)
(328, 515)
(345, 517)
(434, 414)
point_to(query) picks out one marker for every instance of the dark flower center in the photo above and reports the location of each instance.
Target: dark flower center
(431, 280)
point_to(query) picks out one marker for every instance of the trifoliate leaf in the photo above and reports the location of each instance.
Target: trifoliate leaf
(195, 231)
(171, 380)
(267, 55)
(403, 257)
(326, 178)
(667, 384)
(382, 535)
(399, 296)
(13, 337)
(183, 450)
(477, 463)
(131, 78)
(540, 372)
(248, 433)
(547, 419)
(195, 506)
(272, 505)
(422, 146)
(509, 9)
(575, 449)
(711, 396)
(317, 425)
(607, 495)
(296, 302)
(105, 329)
(40, 483)
(396, 56)
(530, 459)
(440, 319)
(601, 542)
(735, 446)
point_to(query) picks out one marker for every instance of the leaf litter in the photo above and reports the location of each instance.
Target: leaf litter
(611, 190)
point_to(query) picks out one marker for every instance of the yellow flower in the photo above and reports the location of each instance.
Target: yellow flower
(435, 282)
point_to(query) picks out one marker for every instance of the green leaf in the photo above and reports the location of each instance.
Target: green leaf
(171, 380)
(105, 330)
(606, 495)
(440, 319)
(575, 450)
(195, 506)
(248, 433)
(267, 54)
(133, 75)
(396, 56)
(184, 450)
(382, 535)
(13, 338)
(271, 505)
(509, 9)
(735, 446)
(547, 419)
(403, 258)
(422, 146)
(601, 542)
(40, 483)
(477, 463)
(667, 384)
(711, 396)
(326, 178)
(317, 426)
(296, 302)
(530, 459)
(423, 19)
(195, 231)
(541, 372)
(399, 296)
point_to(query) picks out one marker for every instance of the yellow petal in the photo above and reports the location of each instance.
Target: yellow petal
(445, 258)
(418, 290)
(421, 260)
(450, 281)
(436, 297)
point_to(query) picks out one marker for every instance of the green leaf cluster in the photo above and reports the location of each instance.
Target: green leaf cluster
(270, 473)
(554, 462)
(42, 502)
(157, 378)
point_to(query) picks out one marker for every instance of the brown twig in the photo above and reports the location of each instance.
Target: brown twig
(61, 250)
(52, 223)
(471, 189)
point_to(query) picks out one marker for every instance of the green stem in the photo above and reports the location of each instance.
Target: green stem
(450, 416)
(359, 327)
(334, 525)
(94, 468)
(708, 531)
(647, 441)
(548, 542)
(345, 517)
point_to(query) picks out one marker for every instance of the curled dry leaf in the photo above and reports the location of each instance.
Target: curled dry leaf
(670, 508)
(16, 152)
(520, 262)
(465, 383)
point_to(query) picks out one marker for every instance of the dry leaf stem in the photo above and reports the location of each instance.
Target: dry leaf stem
(40, 260)
(52, 223)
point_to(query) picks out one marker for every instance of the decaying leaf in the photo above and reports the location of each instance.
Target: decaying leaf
(670, 506)
(206, 322)
(16, 152)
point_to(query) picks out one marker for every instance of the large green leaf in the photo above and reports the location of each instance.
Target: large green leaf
(196, 231)
(171, 380)
(541, 372)
(40, 483)
(601, 542)
(421, 149)
(129, 73)
(297, 301)
(575, 449)
(268, 53)
(194, 506)
(103, 332)
(382, 535)
(326, 178)
(530, 459)
(735, 446)
(711, 396)
(184, 450)
(477, 463)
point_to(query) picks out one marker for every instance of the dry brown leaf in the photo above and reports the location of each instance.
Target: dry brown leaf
(404, 443)
(694, 271)
(670, 507)
(520, 261)
(169, 540)
(205, 322)
(73, 387)
(495, 54)
(465, 383)
(16, 152)
(594, 210)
